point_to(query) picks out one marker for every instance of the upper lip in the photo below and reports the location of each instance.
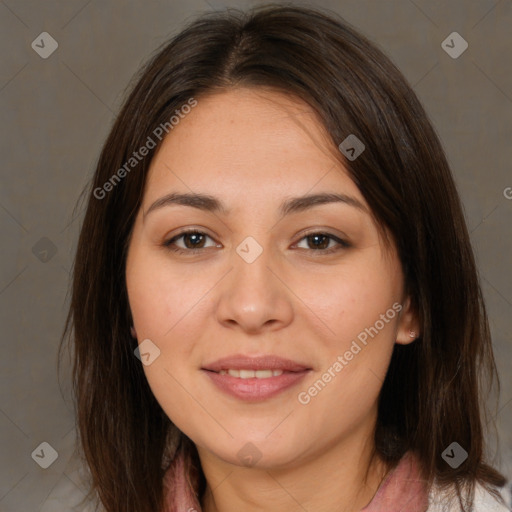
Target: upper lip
(243, 362)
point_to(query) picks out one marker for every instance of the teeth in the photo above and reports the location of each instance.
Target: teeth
(250, 374)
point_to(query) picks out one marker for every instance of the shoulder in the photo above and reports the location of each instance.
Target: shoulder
(444, 501)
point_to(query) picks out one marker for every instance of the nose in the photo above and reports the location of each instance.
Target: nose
(254, 297)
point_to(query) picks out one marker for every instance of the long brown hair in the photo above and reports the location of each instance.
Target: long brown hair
(432, 394)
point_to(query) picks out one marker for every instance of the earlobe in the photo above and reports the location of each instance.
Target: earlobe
(408, 325)
(133, 332)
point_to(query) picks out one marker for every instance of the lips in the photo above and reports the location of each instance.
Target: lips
(255, 378)
(269, 362)
(250, 374)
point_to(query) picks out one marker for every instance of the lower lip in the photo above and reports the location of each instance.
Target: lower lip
(256, 389)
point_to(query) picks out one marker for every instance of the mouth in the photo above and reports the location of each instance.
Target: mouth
(255, 378)
(251, 374)
(266, 363)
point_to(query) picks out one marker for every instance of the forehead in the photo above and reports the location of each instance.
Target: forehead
(248, 140)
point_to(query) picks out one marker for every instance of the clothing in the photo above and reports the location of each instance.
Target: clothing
(402, 490)
(483, 501)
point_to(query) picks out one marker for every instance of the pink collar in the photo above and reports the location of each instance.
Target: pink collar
(403, 490)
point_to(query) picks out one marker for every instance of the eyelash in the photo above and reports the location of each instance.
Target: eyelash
(342, 244)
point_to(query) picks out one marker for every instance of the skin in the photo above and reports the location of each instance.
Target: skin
(252, 149)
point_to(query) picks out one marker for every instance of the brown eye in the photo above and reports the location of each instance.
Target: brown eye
(192, 241)
(320, 242)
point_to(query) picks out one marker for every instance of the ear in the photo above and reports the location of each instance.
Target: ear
(133, 332)
(408, 325)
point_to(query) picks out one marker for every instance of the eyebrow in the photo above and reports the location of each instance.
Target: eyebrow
(210, 203)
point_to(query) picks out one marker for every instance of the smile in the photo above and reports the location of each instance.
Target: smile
(249, 374)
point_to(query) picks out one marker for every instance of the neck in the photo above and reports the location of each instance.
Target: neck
(343, 478)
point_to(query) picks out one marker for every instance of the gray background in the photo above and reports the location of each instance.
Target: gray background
(56, 113)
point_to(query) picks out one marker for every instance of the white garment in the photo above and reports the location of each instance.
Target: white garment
(483, 502)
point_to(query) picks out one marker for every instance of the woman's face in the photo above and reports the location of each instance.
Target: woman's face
(297, 289)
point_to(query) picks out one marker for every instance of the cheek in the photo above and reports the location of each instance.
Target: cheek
(169, 307)
(360, 309)
(353, 299)
(161, 298)
(165, 307)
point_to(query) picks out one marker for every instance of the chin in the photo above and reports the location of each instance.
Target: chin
(256, 452)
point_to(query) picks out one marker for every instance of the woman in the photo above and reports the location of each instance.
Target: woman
(275, 302)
